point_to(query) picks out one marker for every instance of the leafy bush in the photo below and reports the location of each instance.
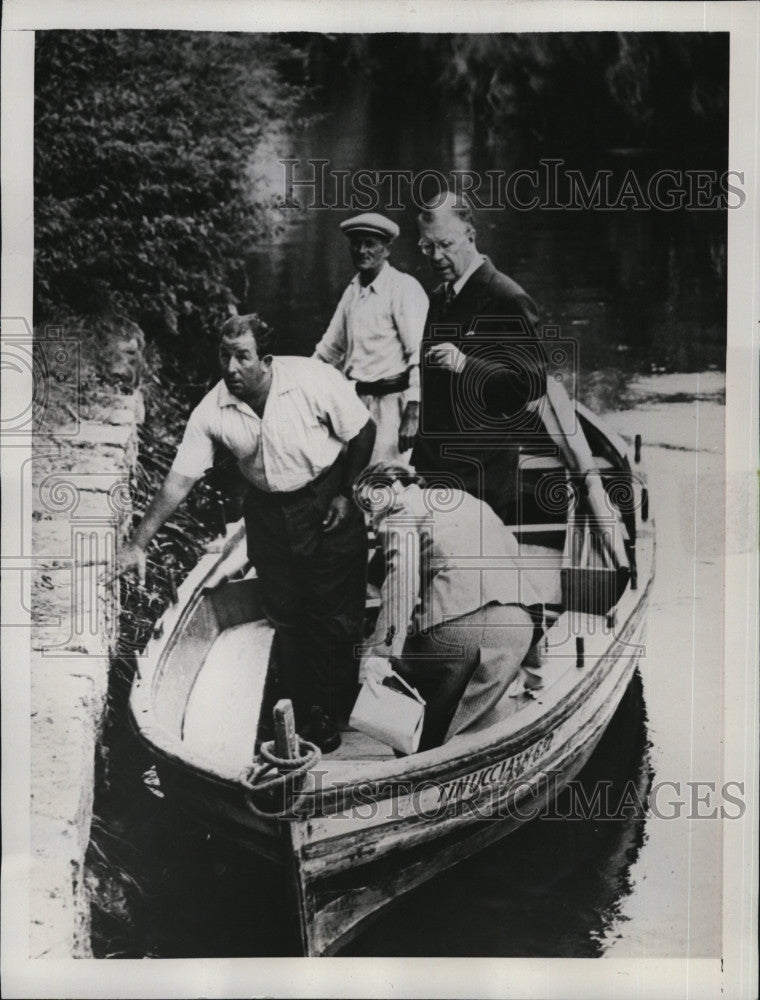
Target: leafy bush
(146, 197)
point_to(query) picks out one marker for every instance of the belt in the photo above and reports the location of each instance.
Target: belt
(295, 495)
(384, 386)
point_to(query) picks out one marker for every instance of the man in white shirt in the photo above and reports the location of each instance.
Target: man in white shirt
(374, 336)
(300, 436)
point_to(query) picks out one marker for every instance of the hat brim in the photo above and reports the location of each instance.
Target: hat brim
(371, 232)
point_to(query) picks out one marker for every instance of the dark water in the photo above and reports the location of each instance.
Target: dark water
(635, 292)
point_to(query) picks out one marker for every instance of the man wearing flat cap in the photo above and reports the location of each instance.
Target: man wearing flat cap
(374, 336)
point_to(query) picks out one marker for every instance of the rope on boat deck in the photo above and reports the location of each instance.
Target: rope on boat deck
(272, 779)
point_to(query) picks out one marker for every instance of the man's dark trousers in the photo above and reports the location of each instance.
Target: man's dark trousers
(313, 589)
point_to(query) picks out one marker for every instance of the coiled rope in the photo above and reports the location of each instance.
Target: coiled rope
(272, 779)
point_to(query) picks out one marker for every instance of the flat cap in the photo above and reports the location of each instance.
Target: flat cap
(371, 222)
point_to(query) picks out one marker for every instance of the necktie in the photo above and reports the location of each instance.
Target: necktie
(448, 295)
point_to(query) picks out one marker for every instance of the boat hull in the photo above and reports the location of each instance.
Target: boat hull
(354, 862)
(364, 830)
(349, 849)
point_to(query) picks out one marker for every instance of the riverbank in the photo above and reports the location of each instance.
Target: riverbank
(83, 458)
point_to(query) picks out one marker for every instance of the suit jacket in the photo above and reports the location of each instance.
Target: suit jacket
(472, 423)
(447, 559)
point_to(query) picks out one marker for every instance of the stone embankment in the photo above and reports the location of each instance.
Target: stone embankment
(83, 459)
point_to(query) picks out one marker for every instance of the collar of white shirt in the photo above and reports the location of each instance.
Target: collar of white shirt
(282, 382)
(226, 398)
(460, 282)
(378, 283)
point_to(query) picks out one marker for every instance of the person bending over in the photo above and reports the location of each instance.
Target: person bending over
(458, 613)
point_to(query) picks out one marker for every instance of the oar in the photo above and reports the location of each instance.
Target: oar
(561, 422)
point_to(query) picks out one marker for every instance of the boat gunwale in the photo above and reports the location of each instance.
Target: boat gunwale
(319, 850)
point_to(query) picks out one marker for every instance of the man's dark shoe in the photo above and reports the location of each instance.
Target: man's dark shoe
(321, 730)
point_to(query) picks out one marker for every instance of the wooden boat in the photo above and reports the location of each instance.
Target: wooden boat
(366, 826)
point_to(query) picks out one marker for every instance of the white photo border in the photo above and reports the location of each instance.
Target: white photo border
(733, 976)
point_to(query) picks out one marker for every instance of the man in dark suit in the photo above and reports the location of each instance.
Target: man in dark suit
(482, 367)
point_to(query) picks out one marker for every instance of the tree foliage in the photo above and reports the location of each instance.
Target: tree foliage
(587, 90)
(146, 194)
(596, 89)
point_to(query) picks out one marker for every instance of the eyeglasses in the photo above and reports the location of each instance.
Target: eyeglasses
(428, 247)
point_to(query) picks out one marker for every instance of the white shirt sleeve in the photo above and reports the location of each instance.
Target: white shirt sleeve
(337, 405)
(196, 451)
(332, 347)
(410, 313)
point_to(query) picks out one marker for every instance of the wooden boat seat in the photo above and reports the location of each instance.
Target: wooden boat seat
(222, 711)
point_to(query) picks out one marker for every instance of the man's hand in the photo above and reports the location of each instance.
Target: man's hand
(131, 557)
(446, 356)
(410, 423)
(374, 669)
(337, 512)
(173, 491)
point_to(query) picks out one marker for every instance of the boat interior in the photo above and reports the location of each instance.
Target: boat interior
(210, 681)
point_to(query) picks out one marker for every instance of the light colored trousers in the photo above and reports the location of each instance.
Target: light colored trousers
(463, 668)
(387, 412)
